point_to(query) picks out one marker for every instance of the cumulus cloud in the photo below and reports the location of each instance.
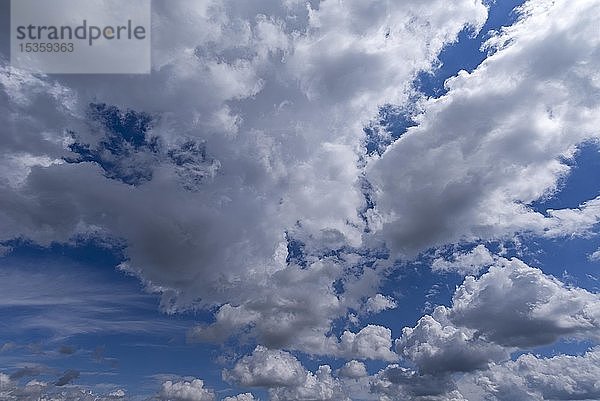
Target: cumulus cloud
(185, 391)
(285, 377)
(119, 393)
(353, 370)
(395, 383)
(318, 386)
(266, 368)
(480, 155)
(469, 263)
(234, 177)
(512, 306)
(561, 377)
(241, 397)
(518, 305)
(380, 303)
(256, 137)
(436, 345)
(371, 342)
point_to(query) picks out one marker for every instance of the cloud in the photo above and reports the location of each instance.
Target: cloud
(67, 350)
(470, 263)
(398, 383)
(29, 370)
(371, 342)
(436, 345)
(594, 256)
(67, 378)
(67, 300)
(353, 370)
(234, 177)
(266, 368)
(513, 306)
(379, 303)
(185, 391)
(256, 134)
(517, 305)
(497, 141)
(241, 397)
(119, 393)
(561, 377)
(285, 377)
(318, 386)
(35, 390)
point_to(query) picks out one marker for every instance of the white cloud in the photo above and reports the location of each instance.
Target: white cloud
(469, 263)
(494, 144)
(266, 368)
(285, 377)
(119, 393)
(318, 386)
(185, 391)
(517, 305)
(67, 300)
(241, 397)
(35, 390)
(379, 303)
(594, 256)
(371, 342)
(278, 93)
(561, 377)
(436, 345)
(274, 96)
(353, 370)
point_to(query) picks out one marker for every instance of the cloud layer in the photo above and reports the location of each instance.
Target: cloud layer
(237, 179)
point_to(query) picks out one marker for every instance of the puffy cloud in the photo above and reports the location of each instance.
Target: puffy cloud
(436, 345)
(318, 386)
(517, 305)
(119, 393)
(371, 342)
(241, 397)
(185, 391)
(285, 377)
(512, 306)
(561, 377)
(266, 368)
(469, 263)
(497, 140)
(353, 370)
(379, 303)
(256, 133)
(395, 383)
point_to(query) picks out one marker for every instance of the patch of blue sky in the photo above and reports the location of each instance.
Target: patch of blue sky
(136, 339)
(466, 53)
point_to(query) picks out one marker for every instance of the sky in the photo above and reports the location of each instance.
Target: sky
(313, 200)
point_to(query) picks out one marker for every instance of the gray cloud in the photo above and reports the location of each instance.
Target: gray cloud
(67, 378)
(561, 377)
(285, 91)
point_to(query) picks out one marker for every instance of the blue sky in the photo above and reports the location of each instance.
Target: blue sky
(294, 193)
